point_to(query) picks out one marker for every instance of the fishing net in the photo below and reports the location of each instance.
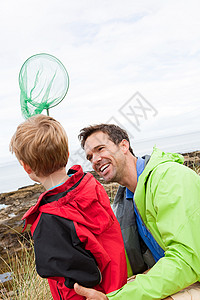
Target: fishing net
(43, 82)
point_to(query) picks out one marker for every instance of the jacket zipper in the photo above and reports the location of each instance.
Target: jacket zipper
(59, 292)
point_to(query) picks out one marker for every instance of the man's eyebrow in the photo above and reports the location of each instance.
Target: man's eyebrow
(100, 145)
(96, 147)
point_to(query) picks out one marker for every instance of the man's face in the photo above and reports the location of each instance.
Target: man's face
(107, 159)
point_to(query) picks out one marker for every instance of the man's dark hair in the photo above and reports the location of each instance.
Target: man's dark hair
(115, 133)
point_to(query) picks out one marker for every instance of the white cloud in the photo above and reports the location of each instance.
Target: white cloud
(111, 49)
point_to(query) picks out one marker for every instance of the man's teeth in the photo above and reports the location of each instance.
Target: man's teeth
(103, 167)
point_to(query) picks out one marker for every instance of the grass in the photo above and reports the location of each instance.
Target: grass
(26, 284)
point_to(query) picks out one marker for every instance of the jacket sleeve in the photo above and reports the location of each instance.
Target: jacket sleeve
(60, 255)
(60, 292)
(173, 211)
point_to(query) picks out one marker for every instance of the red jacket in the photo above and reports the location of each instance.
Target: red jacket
(77, 237)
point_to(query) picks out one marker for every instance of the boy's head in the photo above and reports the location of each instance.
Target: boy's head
(41, 143)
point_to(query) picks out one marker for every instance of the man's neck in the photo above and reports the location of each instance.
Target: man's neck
(129, 178)
(54, 179)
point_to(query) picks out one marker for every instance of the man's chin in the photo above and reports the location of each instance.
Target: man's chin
(105, 178)
(108, 178)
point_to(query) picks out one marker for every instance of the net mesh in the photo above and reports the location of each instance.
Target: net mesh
(43, 82)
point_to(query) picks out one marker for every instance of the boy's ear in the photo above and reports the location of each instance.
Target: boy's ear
(26, 167)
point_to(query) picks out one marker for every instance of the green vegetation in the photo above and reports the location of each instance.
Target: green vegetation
(26, 284)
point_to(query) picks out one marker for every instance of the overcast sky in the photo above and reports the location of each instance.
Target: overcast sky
(135, 63)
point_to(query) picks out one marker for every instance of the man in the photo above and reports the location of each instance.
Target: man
(166, 198)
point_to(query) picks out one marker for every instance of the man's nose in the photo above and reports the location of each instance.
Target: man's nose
(96, 158)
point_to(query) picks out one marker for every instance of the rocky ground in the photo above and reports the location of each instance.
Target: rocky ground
(18, 202)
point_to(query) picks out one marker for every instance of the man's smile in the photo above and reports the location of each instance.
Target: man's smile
(104, 167)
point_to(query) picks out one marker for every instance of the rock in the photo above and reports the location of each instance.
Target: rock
(18, 202)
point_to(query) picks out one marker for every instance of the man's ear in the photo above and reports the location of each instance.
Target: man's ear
(124, 144)
(26, 167)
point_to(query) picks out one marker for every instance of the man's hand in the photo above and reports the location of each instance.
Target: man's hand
(90, 294)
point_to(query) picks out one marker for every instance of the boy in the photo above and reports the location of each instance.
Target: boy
(76, 235)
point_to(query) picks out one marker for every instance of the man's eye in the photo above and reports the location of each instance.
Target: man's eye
(101, 148)
(89, 157)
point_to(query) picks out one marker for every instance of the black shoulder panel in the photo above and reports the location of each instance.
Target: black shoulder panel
(59, 253)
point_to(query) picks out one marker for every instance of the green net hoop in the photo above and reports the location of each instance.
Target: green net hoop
(43, 82)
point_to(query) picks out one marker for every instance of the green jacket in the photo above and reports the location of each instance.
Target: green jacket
(168, 200)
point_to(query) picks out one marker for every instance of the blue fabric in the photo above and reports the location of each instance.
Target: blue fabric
(145, 234)
(59, 183)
